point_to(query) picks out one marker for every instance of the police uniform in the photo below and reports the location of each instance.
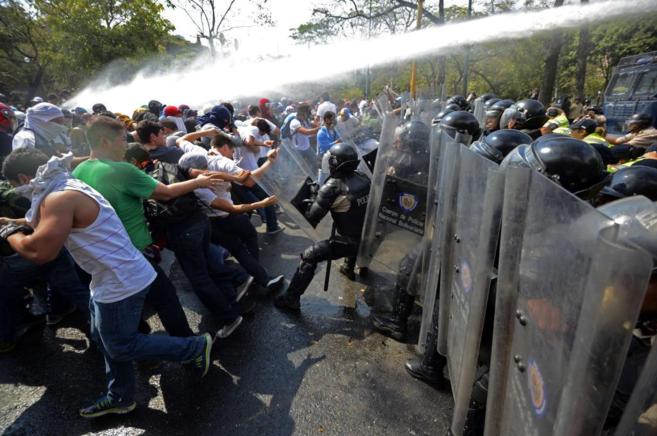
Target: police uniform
(345, 196)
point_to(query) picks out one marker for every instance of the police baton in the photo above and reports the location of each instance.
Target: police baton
(328, 262)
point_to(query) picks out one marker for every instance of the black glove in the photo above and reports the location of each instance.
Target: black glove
(9, 229)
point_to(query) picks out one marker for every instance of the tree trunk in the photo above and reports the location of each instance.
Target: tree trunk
(582, 58)
(442, 61)
(35, 83)
(551, 64)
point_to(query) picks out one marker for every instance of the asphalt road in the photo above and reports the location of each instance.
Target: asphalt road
(324, 371)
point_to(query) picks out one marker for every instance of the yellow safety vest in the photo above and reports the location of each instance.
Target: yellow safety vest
(562, 131)
(559, 120)
(594, 138)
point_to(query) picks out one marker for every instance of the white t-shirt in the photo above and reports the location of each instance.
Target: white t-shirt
(207, 197)
(301, 142)
(324, 107)
(224, 165)
(245, 158)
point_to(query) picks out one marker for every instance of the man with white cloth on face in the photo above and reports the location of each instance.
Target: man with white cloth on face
(45, 130)
(67, 212)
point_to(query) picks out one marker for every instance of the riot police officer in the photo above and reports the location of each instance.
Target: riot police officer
(526, 115)
(463, 127)
(569, 162)
(493, 113)
(344, 194)
(498, 144)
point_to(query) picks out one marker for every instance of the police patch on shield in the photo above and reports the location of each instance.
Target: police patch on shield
(407, 201)
(536, 387)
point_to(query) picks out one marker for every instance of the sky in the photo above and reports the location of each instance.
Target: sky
(287, 14)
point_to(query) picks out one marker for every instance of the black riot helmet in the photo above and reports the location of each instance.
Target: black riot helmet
(441, 115)
(343, 159)
(458, 100)
(573, 164)
(533, 113)
(634, 180)
(498, 144)
(487, 96)
(639, 122)
(414, 136)
(462, 126)
(490, 102)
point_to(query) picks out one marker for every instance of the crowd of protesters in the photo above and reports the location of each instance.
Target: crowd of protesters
(90, 198)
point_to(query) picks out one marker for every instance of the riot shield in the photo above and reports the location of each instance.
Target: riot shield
(566, 294)
(290, 180)
(479, 112)
(445, 190)
(640, 415)
(474, 247)
(396, 211)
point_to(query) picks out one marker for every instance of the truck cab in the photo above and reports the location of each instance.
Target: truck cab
(632, 89)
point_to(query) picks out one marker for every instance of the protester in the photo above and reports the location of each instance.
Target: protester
(65, 211)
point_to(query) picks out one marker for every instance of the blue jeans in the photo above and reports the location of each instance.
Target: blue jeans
(212, 282)
(17, 272)
(236, 234)
(114, 328)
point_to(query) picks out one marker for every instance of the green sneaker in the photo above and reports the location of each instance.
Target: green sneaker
(7, 347)
(105, 406)
(203, 361)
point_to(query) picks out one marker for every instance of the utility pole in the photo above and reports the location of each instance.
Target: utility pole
(420, 9)
(466, 61)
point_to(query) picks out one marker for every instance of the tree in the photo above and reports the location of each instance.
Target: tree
(583, 48)
(211, 18)
(551, 63)
(21, 61)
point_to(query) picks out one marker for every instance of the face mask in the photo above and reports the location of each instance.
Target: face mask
(24, 191)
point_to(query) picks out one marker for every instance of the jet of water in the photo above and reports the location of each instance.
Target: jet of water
(243, 75)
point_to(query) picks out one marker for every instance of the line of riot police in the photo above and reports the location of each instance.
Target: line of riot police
(532, 264)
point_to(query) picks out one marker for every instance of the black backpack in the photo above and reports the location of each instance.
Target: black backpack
(161, 214)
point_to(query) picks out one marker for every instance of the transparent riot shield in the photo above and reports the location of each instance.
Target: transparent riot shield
(479, 112)
(567, 297)
(396, 211)
(446, 188)
(640, 415)
(292, 182)
(364, 142)
(474, 248)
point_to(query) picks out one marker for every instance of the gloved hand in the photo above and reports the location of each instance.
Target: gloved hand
(10, 228)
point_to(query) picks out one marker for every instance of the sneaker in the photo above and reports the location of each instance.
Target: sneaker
(275, 284)
(29, 323)
(276, 231)
(56, 318)
(203, 361)
(247, 306)
(7, 347)
(105, 406)
(243, 288)
(228, 329)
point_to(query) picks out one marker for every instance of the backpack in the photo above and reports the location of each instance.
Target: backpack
(285, 128)
(161, 214)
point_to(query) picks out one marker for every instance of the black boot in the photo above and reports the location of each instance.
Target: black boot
(394, 323)
(418, 369)
(347, 268)
(289, 299)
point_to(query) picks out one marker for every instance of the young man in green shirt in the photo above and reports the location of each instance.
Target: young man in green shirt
(125, 187)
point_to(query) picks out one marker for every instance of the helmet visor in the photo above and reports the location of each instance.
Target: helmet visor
(483, 149)
(517, 158)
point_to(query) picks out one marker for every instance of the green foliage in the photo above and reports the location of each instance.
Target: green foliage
(509, 68)
(59, 44)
